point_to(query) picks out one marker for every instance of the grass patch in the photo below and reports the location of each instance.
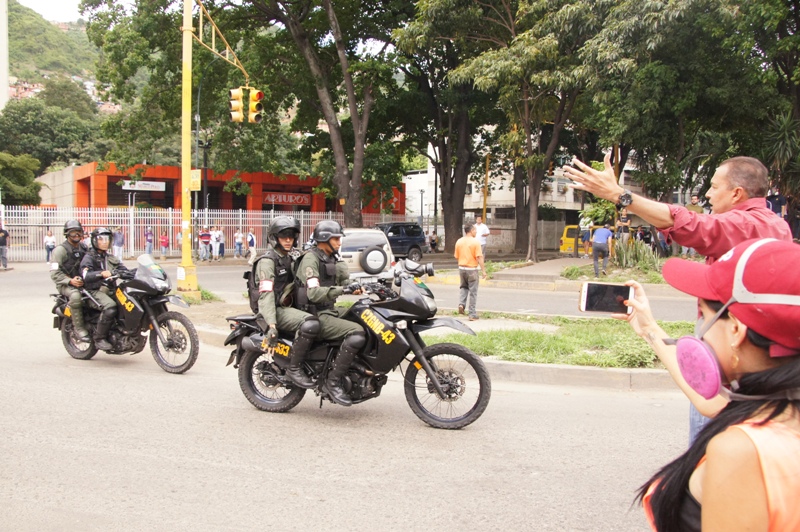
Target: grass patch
(605, 343)
(615, 275)
(492, 267)
(205, 295)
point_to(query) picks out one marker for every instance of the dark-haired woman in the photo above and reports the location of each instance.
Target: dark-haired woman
(742, 367)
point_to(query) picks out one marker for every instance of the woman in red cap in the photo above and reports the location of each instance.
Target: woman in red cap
(742, 367)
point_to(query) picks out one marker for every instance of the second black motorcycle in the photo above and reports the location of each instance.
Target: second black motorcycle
(446, 385)
(141, 312)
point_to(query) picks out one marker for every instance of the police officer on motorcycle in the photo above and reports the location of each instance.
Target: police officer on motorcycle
(321, 279)
(275, 281)
(97, 266)
(65, 272)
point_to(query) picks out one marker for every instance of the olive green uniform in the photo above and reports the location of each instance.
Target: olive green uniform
(324, 297)
(102, 294)
(276, 308)
(61, 277)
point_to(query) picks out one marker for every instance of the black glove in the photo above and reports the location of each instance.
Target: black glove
(352, 287)
(126, 274)
(272, 337)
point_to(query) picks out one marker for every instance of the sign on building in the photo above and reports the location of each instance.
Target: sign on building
(151, 186)
(285, 198)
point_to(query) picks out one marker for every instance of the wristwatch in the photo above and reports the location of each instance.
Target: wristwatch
(625, 199)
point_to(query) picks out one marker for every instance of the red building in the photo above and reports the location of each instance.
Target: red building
(159, 186)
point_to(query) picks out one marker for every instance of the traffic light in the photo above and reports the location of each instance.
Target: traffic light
(237, 105)
(256, 107)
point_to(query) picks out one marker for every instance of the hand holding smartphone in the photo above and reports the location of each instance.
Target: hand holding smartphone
(605, 297)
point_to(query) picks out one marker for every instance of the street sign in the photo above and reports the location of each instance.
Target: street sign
(196, 180)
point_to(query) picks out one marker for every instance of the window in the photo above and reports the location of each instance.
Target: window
(413, 230)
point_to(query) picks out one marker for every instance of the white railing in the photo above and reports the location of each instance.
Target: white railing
(29, 225)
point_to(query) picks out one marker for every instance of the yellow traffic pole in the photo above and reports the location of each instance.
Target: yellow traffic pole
(187, 271)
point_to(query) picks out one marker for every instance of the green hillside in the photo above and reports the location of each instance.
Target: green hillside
(38, 47)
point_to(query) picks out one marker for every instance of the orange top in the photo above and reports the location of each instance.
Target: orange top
(468, 249)
(778, 449)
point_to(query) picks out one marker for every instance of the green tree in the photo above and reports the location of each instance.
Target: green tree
(66, 94)
(312, 57)
(49, 134)
(18, 180)
(536, 66)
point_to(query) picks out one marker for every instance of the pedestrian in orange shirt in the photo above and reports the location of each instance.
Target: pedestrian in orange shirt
(470, 260)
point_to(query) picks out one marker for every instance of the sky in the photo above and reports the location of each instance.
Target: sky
(54, 10)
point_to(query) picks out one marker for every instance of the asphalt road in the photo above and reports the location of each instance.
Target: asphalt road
(115, 443)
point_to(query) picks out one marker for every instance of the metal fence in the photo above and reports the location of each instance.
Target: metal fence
(28, 226)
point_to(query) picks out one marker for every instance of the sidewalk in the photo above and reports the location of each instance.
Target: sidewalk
(209, 320)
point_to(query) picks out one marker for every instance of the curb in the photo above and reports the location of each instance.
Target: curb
(552, 374)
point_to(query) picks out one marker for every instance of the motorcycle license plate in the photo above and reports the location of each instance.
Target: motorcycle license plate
(67, 312)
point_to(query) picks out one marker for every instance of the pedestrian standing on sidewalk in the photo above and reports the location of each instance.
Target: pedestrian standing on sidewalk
(204, 239)
(238, 244)
(5, 243)
(601, 244)
(49, 244)
(481, 232)
(221, 238)
(163, 241)
(117, 242)
(214, 243)
(585, 225)
(470, 260)
(149, 238)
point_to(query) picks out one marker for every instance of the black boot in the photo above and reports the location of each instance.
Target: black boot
(77, 324)
(101, 330)
(295, 371)
(347, 353)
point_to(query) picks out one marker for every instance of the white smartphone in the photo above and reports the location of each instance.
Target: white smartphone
(605, 297)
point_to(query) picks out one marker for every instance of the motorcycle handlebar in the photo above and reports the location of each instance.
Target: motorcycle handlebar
(410, 268)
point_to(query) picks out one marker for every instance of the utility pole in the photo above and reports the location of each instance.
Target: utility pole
(187, 272)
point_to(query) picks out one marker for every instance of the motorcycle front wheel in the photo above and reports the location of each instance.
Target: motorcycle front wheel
(182, 347)
(264, 391)
(76, 348)
(464, 379)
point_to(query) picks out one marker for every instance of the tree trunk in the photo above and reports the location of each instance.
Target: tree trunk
(521, 207)
(454, 185)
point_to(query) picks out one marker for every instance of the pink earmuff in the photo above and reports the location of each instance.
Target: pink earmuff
(699, 366)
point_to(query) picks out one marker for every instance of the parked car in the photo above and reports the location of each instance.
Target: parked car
(367, 254)
(406, 238)
(567, 242)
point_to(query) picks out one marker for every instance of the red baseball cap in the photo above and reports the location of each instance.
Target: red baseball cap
(761, 278)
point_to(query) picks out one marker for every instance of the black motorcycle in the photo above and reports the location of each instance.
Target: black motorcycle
(141, 299)
(446, 385)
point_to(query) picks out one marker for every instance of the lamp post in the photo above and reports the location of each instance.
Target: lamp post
(421, 204)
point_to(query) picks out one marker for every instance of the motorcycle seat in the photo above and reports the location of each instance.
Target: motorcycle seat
(242, 317)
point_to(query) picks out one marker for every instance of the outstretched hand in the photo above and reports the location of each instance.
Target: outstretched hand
(602, 184)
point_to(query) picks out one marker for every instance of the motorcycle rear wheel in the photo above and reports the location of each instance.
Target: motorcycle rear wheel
(465, 381)
(262, 389)
(182, 354)
(76, 348)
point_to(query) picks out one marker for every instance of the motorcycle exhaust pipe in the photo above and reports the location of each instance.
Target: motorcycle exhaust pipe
(253, 343)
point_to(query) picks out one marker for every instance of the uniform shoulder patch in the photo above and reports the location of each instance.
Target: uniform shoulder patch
(309, 272)
(265, 286)
(312, 282)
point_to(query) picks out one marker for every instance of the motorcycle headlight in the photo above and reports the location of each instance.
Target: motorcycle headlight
(161, 284)
(431, 304)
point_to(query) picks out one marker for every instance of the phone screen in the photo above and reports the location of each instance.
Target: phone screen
(606, 298)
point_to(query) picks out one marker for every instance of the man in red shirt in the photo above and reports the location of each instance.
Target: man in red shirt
(739, 212)
(204, 238)
(738, 206)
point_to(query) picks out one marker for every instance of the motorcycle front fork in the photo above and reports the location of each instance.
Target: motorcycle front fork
(416, 348)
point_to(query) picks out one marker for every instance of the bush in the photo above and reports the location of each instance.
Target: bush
(636, 254)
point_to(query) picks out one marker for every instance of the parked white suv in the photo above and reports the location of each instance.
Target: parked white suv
(367, 254)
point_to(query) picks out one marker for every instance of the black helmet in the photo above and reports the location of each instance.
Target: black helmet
(73, 225)
(100, 231)
(281, 224)
(327, 229)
